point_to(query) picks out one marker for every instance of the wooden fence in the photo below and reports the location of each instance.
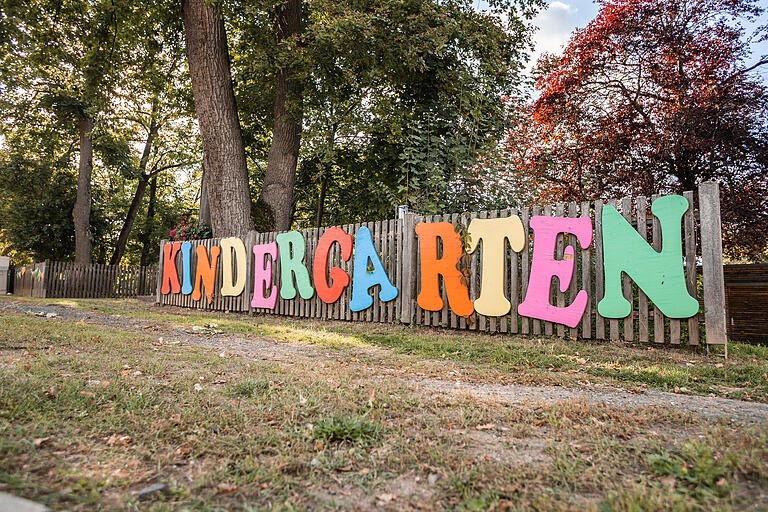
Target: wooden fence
(397, 245)
(58, 279)
(746, 294)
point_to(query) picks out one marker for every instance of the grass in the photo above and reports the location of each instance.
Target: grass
(89, 416)
(498, 358)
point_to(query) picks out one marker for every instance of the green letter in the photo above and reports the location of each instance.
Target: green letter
(292, 250)
(659, 274)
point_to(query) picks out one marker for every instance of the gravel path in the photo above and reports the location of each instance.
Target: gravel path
(275, 350)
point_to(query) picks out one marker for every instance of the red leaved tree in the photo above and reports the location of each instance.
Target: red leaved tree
(654, 96)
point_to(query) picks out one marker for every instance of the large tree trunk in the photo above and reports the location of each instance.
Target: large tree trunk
(147, 231)
(277, 191)
(223, 153)
(81, 213)
(122, 240)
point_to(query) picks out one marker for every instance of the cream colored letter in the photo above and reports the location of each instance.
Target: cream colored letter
(228, 288)
(493, 232)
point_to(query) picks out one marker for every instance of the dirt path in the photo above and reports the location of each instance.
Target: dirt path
(274, 350)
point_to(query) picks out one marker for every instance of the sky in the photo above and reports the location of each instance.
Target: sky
(557, 22)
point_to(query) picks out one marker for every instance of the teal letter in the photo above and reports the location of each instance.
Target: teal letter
(292, 249)
(659, 274)
(186, 268)
(362, 280)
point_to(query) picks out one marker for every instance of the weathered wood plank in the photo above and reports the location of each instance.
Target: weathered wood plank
(712, 264)
(642, 298)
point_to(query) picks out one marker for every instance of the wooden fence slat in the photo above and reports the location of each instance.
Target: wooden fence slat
(689, 223)
(629, 326)
(613, 323)
(599, 270)
(642, 298)
(525, 324)
(573, 213)
(548, 326)
(712, 268)
(560, 252)
(658, 317)
(586, 279)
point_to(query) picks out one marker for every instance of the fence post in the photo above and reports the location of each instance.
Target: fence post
(408, 281)
(712, 264)
(160, 272)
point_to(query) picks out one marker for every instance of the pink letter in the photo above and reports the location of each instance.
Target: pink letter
(544, 266)
(262, 276)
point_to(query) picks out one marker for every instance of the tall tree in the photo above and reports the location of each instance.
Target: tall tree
(279, 179)
(223, 154)
(655, 96)
(376, 76)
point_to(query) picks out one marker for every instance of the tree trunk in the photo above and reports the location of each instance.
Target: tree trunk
(147, 231)
(122, 240)
(223, 154)
(277, 191)
(204, 215)
(81, 213)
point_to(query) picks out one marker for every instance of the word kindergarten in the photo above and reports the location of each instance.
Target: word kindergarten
(660, 274)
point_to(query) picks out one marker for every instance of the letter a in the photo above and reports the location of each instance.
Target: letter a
(363, 280)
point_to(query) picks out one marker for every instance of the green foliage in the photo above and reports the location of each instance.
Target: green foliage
(697, 468)
(346, 428)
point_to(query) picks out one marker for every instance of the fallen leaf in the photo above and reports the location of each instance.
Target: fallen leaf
(345, 468)
(118, 440)
(125, 373)
(226, 489)
(39, 441)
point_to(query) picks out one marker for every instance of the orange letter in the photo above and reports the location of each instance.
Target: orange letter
(429, 296)
(206, 272)
(170, 274)
(330, 294)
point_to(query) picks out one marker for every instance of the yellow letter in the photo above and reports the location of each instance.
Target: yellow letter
(228, 287)
(492, 232)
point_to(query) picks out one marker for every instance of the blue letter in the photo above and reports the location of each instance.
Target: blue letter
(362, 279)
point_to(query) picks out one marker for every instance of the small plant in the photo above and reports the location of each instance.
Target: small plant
(346, 428)
(187, 229)
(697, 467)
(248, 388)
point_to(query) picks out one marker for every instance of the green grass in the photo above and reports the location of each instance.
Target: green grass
(501, 357)
(90, 415)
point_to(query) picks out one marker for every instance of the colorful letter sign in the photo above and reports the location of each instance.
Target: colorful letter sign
(292, 249)
(368, 272)
(493, 233)
(544, 266)
(442, 274)
(206, 272)
(658, 274)
(446, 266)
(331, 293)
(170, 275)
(262, 276)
